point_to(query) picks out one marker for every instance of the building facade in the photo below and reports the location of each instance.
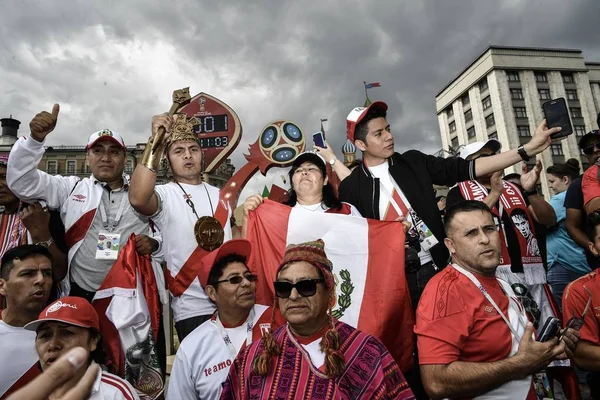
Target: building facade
(500, 95)
(70, 160)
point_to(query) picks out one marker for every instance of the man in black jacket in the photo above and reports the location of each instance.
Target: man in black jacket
(394, 186)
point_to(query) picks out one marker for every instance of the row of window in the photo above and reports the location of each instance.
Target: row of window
(513, 76)
(523, 130)
(52, 167)
(544, 94)
(471, 134)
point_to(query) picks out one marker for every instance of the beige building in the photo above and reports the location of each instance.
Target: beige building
(500, 95)
(70, 160)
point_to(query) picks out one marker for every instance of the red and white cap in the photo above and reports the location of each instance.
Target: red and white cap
(105, 134)
(357, 114)
(237, 246)
(69, 310)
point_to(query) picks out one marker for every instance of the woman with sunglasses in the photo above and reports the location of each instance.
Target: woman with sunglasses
(566, 259)
(69, 323)
(205, 355)
(313, 355)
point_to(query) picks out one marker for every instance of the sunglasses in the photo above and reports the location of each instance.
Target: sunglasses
(305, 288)
(236, 280)
(590, 149)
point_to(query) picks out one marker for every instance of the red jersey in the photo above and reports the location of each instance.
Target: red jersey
(574, 300)
(590, 185)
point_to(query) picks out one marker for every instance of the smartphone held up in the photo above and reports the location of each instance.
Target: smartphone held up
(557, 115)
(319, 140)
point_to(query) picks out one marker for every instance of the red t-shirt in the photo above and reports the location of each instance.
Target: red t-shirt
(456, 322)
(590, 185)
(574, 300)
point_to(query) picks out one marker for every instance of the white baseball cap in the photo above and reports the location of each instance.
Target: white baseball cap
(357, 114)
(105, 134)
(474, 147)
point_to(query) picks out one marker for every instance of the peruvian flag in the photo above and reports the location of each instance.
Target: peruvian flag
(368, 264)
(128, 305)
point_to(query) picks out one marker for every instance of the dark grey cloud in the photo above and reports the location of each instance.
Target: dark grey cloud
(114, 64)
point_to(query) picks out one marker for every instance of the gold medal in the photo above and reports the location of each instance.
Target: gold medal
(209, 233)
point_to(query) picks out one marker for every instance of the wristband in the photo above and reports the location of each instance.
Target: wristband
(46, 243)
(151, 160)
(530, 192)
(523, 153)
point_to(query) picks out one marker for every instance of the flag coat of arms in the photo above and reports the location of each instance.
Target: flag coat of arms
(368, 266)
(128, 306)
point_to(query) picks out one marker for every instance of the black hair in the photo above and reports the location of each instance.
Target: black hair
(463, 206)
(593, 220)
(329, 198)
(569, 169)
(22, 252)
(362, 128)
(514, 175)
(216, 272)
(517, 212)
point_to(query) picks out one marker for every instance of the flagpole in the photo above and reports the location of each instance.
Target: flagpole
(365, 85)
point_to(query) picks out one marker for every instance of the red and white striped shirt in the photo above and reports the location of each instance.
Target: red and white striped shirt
(111, 387)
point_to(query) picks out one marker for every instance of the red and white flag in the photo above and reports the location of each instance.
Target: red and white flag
(368, 264)
(129, 309)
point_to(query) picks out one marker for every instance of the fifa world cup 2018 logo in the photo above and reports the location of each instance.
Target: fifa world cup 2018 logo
(281, 141)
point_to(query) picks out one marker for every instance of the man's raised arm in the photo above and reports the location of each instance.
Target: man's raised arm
(141, 187)
(538, 143)
(22, 175)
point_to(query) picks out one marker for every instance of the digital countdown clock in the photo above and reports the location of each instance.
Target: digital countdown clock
(217, 126)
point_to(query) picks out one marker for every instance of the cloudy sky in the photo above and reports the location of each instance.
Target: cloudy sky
(115, 63)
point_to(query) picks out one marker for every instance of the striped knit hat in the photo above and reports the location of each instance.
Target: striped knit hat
(312, 253)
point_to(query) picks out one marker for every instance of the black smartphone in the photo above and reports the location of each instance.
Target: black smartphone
(557, 114)
(550, 329)
(319, 140)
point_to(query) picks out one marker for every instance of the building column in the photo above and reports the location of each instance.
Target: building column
(586, 100)
(506, 126)
(477, 110)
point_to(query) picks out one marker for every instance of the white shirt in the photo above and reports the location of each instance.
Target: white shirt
(321, 208)
(385, 179)
(111, 387)
(176, 221)
(202, 362)
(17, 354)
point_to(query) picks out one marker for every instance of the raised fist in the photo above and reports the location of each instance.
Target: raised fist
(44, 123)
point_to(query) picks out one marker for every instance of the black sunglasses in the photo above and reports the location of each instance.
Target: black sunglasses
(590, 149)
(236, 280)
(305, 288)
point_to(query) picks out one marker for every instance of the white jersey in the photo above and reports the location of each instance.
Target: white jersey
(111, 387)
(176, 221)
(203, 359)
(18, 357)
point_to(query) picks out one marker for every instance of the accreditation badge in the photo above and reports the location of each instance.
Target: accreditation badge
(108, 247)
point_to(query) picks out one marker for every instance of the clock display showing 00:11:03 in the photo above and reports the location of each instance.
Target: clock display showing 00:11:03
(216, 141)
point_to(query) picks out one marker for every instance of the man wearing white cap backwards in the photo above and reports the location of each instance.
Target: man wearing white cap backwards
(68, 323)
(92, 209)
(393, 186)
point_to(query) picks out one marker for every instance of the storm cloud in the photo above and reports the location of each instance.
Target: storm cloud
(113, 64)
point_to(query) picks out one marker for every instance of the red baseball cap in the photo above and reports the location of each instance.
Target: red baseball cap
(70, 310)
(105, 134)
(238, 246)
(357, 114)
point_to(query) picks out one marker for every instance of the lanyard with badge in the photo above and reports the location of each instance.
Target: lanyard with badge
(208, 230)
(109, 242)
(540, 379)
(489, 298)
(227, 339)
(418, 229)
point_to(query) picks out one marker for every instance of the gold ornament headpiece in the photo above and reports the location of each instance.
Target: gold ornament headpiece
(183, 130)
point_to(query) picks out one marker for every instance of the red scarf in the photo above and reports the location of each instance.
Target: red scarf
(511, 200)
